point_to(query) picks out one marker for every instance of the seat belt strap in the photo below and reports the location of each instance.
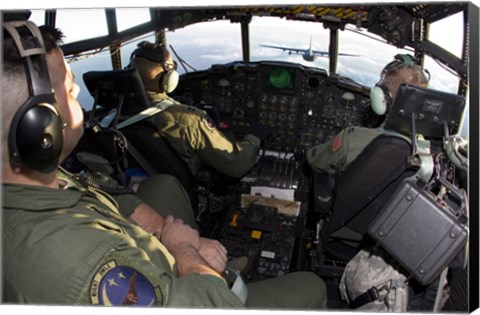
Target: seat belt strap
(144, 164)
(369, 296)
(146, 113)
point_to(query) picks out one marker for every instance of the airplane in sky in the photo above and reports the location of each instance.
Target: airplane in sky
(307, 54)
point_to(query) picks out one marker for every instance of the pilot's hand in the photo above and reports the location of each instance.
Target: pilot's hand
(214, 253)
(175, 234)
(260, 131)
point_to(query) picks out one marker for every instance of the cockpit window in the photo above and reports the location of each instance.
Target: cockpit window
(373, 54)
(38, 17)
(454, 24)
(68, 20)
(443, 78)
(291, 38)
(129, 17)
(204, 44)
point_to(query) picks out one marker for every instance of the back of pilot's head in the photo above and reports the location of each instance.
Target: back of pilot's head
(412, 74)
(155, 66)
(403, 70)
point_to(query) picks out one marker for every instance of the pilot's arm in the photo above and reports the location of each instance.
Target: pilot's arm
(197, 140)
(151, 216)
(140, 270)
(335, 155)
(231, 158)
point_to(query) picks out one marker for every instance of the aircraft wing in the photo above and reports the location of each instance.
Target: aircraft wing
(348, 55)
(288, 49)
(322, 53)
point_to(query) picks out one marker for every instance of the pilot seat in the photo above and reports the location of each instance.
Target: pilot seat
(412, 152)
(118, 95)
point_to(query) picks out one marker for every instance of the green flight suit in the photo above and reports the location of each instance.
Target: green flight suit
(72, 246)
(335, 155)
(194, 136)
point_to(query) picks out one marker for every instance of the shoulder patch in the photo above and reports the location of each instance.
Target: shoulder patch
(115, 285)
(209, 123)
(337, 141)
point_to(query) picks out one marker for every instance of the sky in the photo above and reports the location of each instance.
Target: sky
(219, 42)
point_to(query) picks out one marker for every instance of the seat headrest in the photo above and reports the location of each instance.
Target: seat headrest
(16, 15)
(433, 111)
(108, 86)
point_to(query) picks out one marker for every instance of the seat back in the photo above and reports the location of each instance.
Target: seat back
(362, 190)
(120, 89)
(124, 91)
(420, 111)
(158, 152)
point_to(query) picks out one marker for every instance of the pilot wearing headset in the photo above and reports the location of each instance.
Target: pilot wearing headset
(191, 131)
(66, 242)
(335, 155)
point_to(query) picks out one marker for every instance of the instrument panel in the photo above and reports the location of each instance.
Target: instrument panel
(303, 106)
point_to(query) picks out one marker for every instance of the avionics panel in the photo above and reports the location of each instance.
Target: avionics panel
(303, 106)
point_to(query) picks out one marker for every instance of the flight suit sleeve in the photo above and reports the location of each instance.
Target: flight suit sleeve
(127, 201)
(129, 275)
(330, 156)
(335, 155)
(231, 158)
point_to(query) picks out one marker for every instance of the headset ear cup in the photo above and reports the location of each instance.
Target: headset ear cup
(378, 100)
(39, 139)
(169, 81)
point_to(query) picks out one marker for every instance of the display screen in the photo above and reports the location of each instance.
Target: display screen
(280, 78)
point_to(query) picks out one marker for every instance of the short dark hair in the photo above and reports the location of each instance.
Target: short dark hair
(52, 37)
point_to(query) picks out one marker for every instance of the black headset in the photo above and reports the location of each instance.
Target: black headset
(380, 96)
(35, 137)
(168, 80)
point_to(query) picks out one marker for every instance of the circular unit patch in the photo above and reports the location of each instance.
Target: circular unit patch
(121, 285)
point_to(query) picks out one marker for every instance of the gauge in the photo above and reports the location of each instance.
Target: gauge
(223, 82)
(240, 87)
(205, 84)
(348, 96)
(238, 113)
(263, 99)
(328, 110)
(279, 78)
(313, 82)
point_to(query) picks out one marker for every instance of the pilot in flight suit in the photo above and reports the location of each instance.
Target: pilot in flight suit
(191, 131)
(53, 218)
(115, 256)
(335, 155)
